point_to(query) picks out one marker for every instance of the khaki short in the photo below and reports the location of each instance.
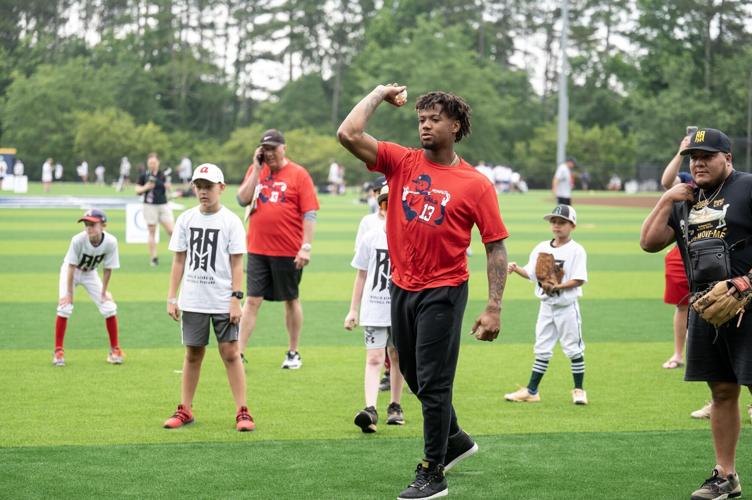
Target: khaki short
(157, 214)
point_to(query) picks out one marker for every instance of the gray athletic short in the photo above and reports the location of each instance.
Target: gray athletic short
(377, 337)
(195, 328)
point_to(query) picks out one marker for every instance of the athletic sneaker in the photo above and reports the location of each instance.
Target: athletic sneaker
(366, 419)
(385, 383)
(459, 447)
(181, 417)
(394, 414)
(244, 420)
(522, 395)
(717, 487)
(57, 358)
(154, 262)
(115, 357)
(703, 412)
(579, 397)
(429, 483)
(292, 361)
(243, 358)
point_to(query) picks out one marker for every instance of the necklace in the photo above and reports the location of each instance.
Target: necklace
(702, 203)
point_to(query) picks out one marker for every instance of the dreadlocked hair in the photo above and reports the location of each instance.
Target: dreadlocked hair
(454, 106)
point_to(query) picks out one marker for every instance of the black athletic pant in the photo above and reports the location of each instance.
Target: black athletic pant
(426, 327)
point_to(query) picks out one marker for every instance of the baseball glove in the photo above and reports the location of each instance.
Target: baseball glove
(547, 272)
(723, 300)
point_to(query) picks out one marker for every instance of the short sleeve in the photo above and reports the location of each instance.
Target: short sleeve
(74, 251)
(112, 259)
(362, 254)
(388, 157)
(488, 216)
(307, 200)
(141, 180)
(579, 266)
(178, 240)
(530, 266)
(237, 236)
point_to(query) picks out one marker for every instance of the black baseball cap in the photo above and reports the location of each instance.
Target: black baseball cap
(708, 139)
(378, 183)
(94, 215)
(272, 137)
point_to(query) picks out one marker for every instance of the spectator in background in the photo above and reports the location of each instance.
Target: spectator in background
(614, 183)
(99, 173)
(585, 180)
(502, 178)
(563, 182)
(3, 168)
(335, 177)
(47, 175)
(125, 173)
(58, 172)
(153, 185)
(83, 171)
(18, 167)
(185, 170)
(486, 171)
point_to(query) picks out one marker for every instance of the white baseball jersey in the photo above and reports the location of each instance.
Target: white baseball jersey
(564, 187)
(87, 257)
(208, 240)
(367, 224)
(372, 256)
(572, 258)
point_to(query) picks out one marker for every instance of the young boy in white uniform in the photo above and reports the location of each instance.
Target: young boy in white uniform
(559, 314)
(88, 249)
(209, 244)
(373, 271)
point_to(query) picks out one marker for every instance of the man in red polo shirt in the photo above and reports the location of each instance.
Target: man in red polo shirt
(435, 198)
(282, 221)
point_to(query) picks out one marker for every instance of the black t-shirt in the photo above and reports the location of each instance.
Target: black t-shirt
(158, 195)
(727, 215)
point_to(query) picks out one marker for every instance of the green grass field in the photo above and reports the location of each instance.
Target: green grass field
(91, 430)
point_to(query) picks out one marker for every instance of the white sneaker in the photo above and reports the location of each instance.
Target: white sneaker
(703, 412)
(579, 397)
(522, 395)
(292, 361)
(57, 358)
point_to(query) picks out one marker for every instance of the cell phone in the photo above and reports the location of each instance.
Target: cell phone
(260, 158)
(691, 129)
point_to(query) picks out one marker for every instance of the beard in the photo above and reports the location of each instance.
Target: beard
(429, 145)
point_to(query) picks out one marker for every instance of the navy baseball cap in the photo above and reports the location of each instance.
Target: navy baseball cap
(685, 177)
(378, 183)
(272, 137)
(563, 212)
(94, 215)
(708, 139)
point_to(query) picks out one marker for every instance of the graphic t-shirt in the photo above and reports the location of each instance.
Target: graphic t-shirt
(87, 257)
(208, 240)
(726, 214)
(282, 197)
(564, 187)
(372, 256)
(158, 195)
(431, 212)
(571, 257)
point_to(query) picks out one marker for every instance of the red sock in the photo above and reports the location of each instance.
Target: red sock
(60, 325)
(111, 323)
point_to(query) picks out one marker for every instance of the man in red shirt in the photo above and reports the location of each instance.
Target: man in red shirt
(435, 199)
(282, 221)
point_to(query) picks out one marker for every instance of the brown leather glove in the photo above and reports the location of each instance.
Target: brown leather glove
(723, 300)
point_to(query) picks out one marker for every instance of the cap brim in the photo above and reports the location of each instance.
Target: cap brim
(710, 149)
(90, 219)
(548, 217)
(272, 143)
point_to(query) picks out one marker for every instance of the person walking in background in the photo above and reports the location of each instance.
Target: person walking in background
(99, 174)
(83, 171)
(47, 175)
(18, 167)
(283, 204)
(58, 171)
(563, 182)
(435, 198)
(125, 173)
(153, 186)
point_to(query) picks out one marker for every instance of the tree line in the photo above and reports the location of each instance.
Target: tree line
(97, 80)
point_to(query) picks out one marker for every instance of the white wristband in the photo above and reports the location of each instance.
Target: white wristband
(306, 247)
(172, 301)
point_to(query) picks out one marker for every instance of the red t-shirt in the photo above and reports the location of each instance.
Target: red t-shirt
(431, 212)
(276, 226)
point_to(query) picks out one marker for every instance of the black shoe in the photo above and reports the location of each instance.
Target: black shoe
(459, 447)
(394, 415)
(243, 358)
(385, 384)
(366, 419)
(154, 261)
(429, 483)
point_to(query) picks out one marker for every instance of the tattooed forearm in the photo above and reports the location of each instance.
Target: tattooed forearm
(496, 268)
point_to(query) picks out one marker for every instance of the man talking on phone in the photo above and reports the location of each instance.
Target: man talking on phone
(282, 220)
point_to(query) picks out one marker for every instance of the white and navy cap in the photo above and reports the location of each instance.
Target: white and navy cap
(210, 172)
(564, 212)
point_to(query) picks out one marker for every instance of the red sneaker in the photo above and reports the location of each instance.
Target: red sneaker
(181, 417)
(244, 420)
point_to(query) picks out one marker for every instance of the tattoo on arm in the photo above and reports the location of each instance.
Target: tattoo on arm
(496, 255)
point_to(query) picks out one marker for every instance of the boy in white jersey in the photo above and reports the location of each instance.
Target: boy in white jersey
(372, 262)
(559, 314)
(209, 244)
(88, 249)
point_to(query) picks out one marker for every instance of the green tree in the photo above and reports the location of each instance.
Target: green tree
(104, 136)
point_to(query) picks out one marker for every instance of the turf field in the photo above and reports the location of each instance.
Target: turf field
(90, 429)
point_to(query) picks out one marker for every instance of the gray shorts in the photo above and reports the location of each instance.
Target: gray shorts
(377, 337)
(195, 328)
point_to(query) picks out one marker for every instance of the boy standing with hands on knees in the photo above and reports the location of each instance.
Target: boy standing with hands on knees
(209, 243)
(559, 314)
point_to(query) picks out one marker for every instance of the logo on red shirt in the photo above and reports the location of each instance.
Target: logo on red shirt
(270, 191)
(424, 202)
